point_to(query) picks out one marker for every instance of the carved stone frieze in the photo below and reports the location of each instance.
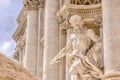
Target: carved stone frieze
(84, 2)
(32, 4)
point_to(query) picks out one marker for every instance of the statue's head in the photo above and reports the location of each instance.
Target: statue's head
(76, 21)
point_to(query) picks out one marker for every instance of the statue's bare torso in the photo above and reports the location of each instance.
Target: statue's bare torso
(80, 41)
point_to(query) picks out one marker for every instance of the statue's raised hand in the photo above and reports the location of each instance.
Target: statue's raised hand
(54, 61)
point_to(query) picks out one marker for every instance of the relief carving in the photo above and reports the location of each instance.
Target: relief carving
(85, 2)
(31, 4)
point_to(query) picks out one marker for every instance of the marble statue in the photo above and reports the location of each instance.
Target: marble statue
(82, 51)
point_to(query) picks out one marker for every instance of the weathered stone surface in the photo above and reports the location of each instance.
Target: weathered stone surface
(38, 36)
(111, 39)
(83, 60)
(51, 40)
(13, 70)
(31, 41)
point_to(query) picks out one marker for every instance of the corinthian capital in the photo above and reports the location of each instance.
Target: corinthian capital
(32, 4)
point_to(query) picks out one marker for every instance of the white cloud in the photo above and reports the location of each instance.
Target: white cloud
(5, 46)
(8, 24)
(4, 3)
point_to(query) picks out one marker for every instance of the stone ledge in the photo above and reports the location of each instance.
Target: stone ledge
(112, 76)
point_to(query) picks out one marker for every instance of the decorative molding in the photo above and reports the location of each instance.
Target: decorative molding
(87, 12)
(32, 4)
(21, 15)
(84, 2)
(21, 29)
(22, 21)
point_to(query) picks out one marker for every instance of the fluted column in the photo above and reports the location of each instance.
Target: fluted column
(51, 38)
(111, 39)
(31, 35)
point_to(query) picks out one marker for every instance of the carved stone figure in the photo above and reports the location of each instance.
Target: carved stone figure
(83, 59)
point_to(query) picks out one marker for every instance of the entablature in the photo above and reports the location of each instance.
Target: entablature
(20, 29)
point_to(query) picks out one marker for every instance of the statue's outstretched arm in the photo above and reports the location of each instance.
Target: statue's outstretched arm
(62, 53)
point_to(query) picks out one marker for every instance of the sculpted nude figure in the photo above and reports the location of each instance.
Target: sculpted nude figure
(82, 59)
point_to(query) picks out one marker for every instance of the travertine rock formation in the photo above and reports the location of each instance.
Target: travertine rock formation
(13, 70)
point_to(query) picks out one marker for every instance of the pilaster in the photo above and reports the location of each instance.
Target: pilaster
(31, 7)
(40, 45)
(51, 40)
(111, 39)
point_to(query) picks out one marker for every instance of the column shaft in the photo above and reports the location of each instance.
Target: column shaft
(40, 46)
(31, 41)
(111, 38)
(51, 40)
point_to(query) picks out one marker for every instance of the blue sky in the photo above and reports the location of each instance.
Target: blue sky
(9, 10)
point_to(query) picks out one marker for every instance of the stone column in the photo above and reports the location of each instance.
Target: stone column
(51, 40)
(111, 39)
(40, 46)
(62, 63)
(31, 36)
(31, 41)
(69, 31)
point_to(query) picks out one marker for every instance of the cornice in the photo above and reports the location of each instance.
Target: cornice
(21, 28)
(21, 15)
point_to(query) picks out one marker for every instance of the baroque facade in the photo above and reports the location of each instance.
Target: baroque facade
(44, 29)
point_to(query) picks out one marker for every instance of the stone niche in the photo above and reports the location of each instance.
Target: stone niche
(91, 14)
